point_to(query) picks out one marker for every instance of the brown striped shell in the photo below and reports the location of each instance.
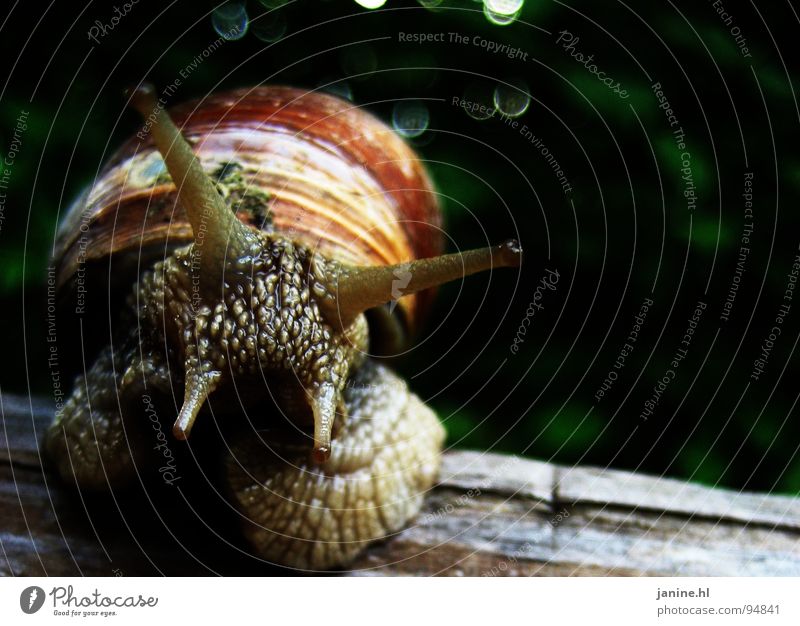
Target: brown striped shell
(309, 165)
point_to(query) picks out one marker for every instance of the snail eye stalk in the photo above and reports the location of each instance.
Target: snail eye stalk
(218, 233)
(357, 289)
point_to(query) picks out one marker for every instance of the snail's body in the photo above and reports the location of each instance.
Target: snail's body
(298, 513)
(348, 451)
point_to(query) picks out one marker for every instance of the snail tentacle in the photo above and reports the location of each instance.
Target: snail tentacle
(199, 385)
(357, 289)
(323, 404)
(218, 233)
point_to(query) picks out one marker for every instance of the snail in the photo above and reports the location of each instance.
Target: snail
(268, 247)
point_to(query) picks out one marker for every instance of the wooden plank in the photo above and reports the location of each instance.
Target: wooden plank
(586, 484)
(26, 419)
(491, 515)
(525, 523)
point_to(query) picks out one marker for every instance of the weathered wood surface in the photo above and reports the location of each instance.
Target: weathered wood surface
(490, 515)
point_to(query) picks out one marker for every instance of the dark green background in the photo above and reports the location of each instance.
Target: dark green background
(606, 237)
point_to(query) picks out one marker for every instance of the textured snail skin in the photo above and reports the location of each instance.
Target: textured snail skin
(90, 446)
(268, 323)
(384, 460)
(268, 318)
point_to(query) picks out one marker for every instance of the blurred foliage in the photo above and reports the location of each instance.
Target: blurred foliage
(613, 239)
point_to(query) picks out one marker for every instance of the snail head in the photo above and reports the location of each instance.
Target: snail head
(248, 302)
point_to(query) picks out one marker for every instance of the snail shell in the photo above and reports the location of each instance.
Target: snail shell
(305, 163)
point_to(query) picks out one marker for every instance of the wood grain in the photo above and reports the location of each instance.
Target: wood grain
(491, 515)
